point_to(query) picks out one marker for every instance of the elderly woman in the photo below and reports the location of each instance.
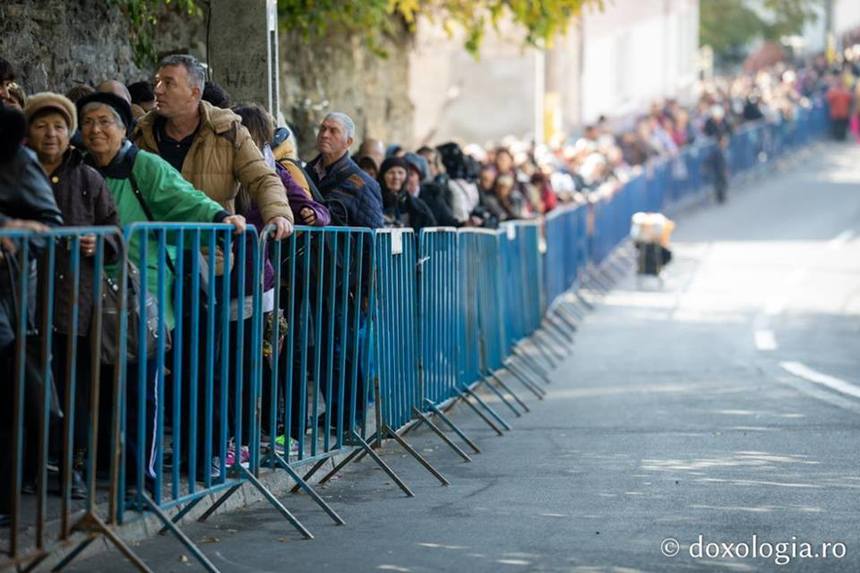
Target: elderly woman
(84, 200)
(400, 207)
(144, 188)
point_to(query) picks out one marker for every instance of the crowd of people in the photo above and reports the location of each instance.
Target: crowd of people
(178, 150)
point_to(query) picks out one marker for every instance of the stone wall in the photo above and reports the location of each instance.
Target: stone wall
(56, 44)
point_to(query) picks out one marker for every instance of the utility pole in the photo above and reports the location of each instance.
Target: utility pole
(243, 50)
(829, 36)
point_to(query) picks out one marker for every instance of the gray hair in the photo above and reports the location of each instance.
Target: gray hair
(96, 105)
(344, 120)
(196, 72)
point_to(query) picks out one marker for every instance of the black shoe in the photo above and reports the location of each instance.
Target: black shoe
(28, 488)
(5, 519)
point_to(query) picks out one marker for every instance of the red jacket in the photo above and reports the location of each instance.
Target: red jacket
(839, 99)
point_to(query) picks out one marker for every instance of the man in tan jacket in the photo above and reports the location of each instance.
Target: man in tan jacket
(209, 145)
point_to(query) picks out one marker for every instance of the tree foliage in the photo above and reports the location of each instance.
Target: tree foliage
(541, 19)
(143, 17)
(728, 26)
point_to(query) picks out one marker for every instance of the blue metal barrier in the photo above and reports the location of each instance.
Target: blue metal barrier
(54, 295)
(316, 377)
(396, 322)
(481, 326)
(439, 308)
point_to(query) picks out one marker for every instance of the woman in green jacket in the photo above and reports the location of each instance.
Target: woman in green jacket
(145, 188)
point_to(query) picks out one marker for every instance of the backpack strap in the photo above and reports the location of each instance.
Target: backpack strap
(135, 188)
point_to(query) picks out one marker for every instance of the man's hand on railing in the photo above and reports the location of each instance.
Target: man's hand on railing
(283, 228)
(238, 222)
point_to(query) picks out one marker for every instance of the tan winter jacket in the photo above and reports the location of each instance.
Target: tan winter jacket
(222, 157)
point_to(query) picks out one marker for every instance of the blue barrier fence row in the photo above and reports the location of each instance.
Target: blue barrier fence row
(268, 355)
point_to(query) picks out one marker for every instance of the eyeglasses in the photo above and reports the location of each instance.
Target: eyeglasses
(102, 122)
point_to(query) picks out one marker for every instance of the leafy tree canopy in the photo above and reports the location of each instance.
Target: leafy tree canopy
(541, 19)
(728, 26)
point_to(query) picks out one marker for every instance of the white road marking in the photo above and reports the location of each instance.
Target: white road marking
(840, 239)
(802, 371)
(765, 340)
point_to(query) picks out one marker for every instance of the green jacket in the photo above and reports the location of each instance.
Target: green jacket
(169, 197)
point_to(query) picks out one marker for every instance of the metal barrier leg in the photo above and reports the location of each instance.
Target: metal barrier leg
(177, 517)
(265, 492)
(583, 301)
(34, 563)
(532, 364)
(607, 276)
(568, 317)
(507, 389)
(483, 416)
(438, 431)
(375, 457)
(453, 426)
(224, 497)
(525, 380)
(489, 410)
(77, 551)
(562, 333)
(308, 489)
(386, 430)
(195, 551)
(553, 349)
(309, 474)
(546, 351)
(93, 524)
(414, 453)
(353, 455)
(599, 275)
(274, 501)
(618, 268)
(494, 390)
(595, 282)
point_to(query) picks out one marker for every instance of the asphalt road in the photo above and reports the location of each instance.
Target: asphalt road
(724, 403)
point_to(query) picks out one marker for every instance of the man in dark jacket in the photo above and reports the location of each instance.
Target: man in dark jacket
(353, 199)
(26, 202)
(719, 128)
(352, 196)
